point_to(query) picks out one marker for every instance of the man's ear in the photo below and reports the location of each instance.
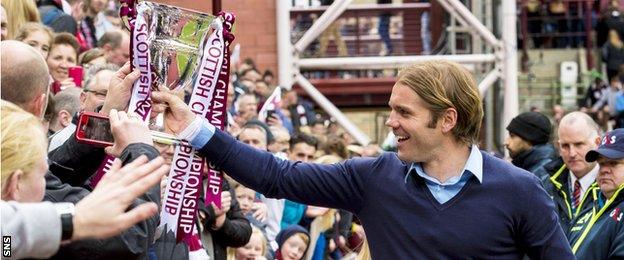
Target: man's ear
(39, 105)
(65, 118)
(10, 189)
(107, 47)
(598, 139)
(448, 120)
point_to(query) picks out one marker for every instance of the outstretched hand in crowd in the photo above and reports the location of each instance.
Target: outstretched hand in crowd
(103, 213)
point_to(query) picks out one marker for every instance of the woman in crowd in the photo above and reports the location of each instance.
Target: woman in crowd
(256, 248)
(24, 155)
(19, 12)
(36, 35)
(293, 243)
(63, 55)
(94, 24)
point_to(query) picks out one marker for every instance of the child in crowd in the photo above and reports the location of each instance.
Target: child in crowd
(293, 243)
(256, 248)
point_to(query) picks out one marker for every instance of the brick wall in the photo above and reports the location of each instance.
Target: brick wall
(255, 27)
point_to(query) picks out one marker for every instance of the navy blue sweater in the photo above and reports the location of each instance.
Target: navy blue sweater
(505, 217)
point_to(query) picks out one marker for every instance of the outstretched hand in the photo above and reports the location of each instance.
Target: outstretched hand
(103, 214)
(126, 130)
(120, 89)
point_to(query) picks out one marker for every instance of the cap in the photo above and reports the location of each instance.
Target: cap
(611, 146)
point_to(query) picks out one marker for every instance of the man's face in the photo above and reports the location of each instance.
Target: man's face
(281, 142)
(253, 137)
(575, 141)
(121, 54)
(248, 107)
(95, 94)
(610, 176)
(409, 119)
(302, 152)
(252, 76)
(516, 145)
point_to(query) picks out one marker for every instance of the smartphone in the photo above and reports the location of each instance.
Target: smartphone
(269, 114)
(94, 129)
(75, 73)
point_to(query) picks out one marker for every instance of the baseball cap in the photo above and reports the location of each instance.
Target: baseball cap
(611, 146)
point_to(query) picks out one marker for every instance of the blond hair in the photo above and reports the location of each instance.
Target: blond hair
(18, 13)
(24, 142)
(231, 251)
(30, 27)
(443, 85)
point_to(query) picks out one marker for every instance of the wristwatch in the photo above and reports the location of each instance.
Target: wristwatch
(66, 213)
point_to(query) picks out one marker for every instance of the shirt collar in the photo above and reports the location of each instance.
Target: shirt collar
(586, 180)
(474, 165)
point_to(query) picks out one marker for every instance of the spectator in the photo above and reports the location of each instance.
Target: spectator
(282, 139)
(116, 46)
(36, 35)
(19, 12)
(91, 97)
(594, 91)
(597, 231)
(246, 199)
(613, 54)
(256, 248)
(39, 228)
(410, 194)
(268, 78)
(94, 24)
(52, 15)
(63, 55)
(92, 57)
(66, 106)
(607, 102)
(528, 141)
(31, 95)
(332, 31)
(610, 19)
(384, 29)
(293, 243)
(569, 179)
(247, 108)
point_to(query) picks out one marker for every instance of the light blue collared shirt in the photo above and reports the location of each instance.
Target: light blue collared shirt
(443, 192)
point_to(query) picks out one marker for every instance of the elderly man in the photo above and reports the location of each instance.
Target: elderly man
(438, 197)
(568, 182)
(598, 232)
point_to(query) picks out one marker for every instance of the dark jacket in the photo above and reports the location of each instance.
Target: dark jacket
(535, 158)
(557, 185)
(74, 157)
(598, 232)
(235, 232)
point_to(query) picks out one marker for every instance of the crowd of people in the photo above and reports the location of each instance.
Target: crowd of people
(297, 185)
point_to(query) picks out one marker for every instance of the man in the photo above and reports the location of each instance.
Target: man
(438, 197)
(72, 163)
(116, 47)
(568, 183)
(66, 105)
(92, 96)
(527, 143)
(598, 232)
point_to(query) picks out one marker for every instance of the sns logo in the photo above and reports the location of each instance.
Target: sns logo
(607, 140)
(616, 214)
